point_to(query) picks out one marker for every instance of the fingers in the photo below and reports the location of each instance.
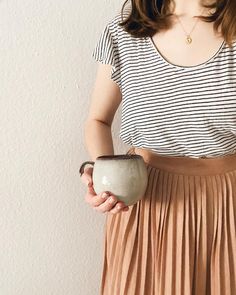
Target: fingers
(87, 175)
(96, 200)
(120, 206)
(111, 205)
(103, 202)
(106, 205)
(86, 178)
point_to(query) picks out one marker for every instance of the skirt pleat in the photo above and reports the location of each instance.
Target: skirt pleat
(180, 239)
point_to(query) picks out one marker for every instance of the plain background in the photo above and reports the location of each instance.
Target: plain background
(51, 240)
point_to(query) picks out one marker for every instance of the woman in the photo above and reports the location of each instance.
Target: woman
(175, 75)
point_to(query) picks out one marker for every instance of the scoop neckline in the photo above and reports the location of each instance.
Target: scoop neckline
(222, 45)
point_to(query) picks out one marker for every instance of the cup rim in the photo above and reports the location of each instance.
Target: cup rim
(119, 157)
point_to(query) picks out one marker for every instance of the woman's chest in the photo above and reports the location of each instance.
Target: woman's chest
(173, 45)
(152, 87)
(207, 94)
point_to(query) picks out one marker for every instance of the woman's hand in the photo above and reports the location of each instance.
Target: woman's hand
(104, 202)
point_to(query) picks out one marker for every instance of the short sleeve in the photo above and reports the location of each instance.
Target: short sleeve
(106, 51)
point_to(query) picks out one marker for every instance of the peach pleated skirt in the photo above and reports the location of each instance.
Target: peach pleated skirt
(180, 239)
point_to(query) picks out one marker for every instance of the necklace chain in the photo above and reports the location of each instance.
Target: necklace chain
(188, 35)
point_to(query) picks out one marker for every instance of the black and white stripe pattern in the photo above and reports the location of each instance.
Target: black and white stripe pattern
(172, 110)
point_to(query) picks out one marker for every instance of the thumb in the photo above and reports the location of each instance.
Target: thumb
(86, 179)
(91, 189)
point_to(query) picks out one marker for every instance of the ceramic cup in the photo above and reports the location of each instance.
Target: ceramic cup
(125, 176)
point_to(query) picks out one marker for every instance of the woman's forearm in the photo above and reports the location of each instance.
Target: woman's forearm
(98, 139)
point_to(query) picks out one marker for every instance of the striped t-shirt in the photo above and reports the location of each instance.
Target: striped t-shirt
(170, 109)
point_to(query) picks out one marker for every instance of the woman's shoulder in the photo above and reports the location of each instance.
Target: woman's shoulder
(113, 23)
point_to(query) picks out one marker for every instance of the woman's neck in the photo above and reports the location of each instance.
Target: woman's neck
(188, 8)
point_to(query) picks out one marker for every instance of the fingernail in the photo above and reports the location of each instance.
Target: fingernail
(111, 200)
(104, 195)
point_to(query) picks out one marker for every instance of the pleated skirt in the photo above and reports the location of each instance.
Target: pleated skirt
(180, 239)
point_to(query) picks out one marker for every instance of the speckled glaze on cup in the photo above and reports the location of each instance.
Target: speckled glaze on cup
(125, 176)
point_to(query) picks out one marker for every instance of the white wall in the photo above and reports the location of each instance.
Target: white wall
(51, 240)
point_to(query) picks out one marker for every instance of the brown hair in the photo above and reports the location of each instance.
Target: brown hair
(146, 17)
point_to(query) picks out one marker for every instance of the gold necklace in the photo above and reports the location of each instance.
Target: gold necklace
(188, 35)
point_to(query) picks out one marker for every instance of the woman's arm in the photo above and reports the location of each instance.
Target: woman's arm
(105, 100)
(106, 97)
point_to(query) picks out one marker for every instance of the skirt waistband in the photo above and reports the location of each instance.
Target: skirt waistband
(187, 165)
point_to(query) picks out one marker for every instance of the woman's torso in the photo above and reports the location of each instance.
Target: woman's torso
(177, 100)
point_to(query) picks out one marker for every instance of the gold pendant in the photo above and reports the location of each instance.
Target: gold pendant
(189, 39)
